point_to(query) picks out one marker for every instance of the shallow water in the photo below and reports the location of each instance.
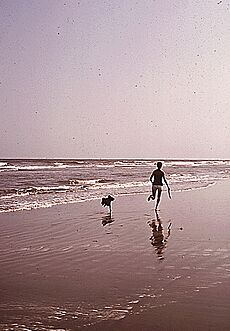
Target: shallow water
(30, 184)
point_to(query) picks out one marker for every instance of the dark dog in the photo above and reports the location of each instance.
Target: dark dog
(106, 202)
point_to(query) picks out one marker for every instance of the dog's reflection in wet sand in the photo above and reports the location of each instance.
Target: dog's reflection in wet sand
(107, 220)
(158, 239)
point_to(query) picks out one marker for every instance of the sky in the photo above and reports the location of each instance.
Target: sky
(115, 79)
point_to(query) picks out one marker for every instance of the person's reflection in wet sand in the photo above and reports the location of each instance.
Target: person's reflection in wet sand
(158, 239)
(107, 220)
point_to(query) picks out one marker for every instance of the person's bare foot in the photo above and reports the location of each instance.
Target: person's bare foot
(151, 197)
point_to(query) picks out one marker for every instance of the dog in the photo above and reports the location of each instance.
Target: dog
(107, 202)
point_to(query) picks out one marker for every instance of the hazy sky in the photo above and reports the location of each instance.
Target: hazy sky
(115, 78)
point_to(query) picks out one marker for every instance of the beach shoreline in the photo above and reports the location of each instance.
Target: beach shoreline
(73, 267)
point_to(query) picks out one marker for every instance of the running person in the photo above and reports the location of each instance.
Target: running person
(156, 179)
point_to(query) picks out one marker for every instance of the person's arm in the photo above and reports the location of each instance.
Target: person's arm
(151, 177)
(166, 182)
(169, 193)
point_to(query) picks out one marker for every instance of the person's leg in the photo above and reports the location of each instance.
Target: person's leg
(158, 197)
(154, 189)
(152, 196)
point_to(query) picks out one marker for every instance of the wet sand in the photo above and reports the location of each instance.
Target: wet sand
(71, 267)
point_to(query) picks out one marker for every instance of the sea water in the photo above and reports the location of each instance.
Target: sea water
(40, 183)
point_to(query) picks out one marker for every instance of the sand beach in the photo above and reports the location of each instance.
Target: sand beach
(72, 267)
(121, 98)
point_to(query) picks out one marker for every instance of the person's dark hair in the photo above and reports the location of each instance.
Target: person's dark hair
(159, 165)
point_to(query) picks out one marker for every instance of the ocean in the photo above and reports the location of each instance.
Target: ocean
(40, 183)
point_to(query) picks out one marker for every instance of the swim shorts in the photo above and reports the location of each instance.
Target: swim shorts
(157, 187)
